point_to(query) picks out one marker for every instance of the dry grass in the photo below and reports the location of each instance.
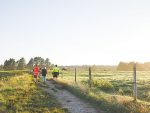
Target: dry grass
(20, 94)
(113, 103)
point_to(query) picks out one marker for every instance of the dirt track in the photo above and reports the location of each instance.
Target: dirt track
(74, 104)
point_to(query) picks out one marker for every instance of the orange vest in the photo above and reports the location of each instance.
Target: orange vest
(36, 71)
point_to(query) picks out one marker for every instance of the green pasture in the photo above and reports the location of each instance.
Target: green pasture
(18, 93)
(113, 82)
(6, 75)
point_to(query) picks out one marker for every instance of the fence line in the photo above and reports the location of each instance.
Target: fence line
(135, 87)
(75, 74)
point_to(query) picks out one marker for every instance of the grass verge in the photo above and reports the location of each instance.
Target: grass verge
(110, 102)
(20, 94)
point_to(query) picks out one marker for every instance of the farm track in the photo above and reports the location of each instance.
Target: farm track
(74, 104)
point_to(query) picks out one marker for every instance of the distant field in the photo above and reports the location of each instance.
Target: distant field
(113, 82)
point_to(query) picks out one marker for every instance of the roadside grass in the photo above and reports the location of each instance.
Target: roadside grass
(118, 82)
(6, 75)
(112, 90)
(112, 103)
(20, 94)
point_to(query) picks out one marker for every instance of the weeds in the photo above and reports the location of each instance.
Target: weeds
(19, 94)
(113, 103)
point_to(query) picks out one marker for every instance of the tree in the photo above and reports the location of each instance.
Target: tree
(47, 63)
(52, 66)
(86, 67)
(5, 65)
(41, 62)
(94, 67)
(9, 64)
(36, 60)
(30, 64)
(1, 68)
(12, 64)
(21, 64)
(130, 66)
(122, 66)
(140, 67)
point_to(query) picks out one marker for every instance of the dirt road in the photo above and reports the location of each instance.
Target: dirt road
(74, 104)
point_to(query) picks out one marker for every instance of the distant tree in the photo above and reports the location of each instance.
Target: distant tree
(93, 68)
(130, 66)
(12, 64)
(141, 67)
(21, 64)
(41, 62)
(123, 66)
(6, 65)
(1, 67)
(9, 65)
(52, 66)
(146, 66)
(47, 63)
(30, 64)
(86, 67)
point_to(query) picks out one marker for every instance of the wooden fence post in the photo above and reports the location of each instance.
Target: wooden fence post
(90, 77)
(75, 74)
(135, 87)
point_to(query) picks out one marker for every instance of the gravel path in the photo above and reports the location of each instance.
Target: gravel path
(74, 104)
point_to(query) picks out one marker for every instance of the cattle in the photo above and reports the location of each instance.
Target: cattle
(64, 69)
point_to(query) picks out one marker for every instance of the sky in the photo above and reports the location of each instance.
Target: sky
(75, 32)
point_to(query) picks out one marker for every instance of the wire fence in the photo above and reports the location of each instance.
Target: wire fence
(114, 82)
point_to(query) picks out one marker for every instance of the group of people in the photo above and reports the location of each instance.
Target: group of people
(37, 71)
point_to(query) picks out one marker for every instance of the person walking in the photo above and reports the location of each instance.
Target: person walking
(55, 72)
(44, 73)
(36, 73)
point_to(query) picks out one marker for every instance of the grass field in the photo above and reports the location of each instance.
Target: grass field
(18, 93)
(118, 82)
(112, 90)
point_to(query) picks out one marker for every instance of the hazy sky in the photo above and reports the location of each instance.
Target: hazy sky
(75, 32)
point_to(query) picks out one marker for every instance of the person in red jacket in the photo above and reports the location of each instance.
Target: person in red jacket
(36, 73)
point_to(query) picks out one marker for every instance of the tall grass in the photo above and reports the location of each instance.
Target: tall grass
(112, 90)
(20, 94)
(118, 82)
(112, 103)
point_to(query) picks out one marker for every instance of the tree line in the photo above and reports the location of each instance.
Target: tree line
(124, 66)
(86, 67)
(21, 64)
